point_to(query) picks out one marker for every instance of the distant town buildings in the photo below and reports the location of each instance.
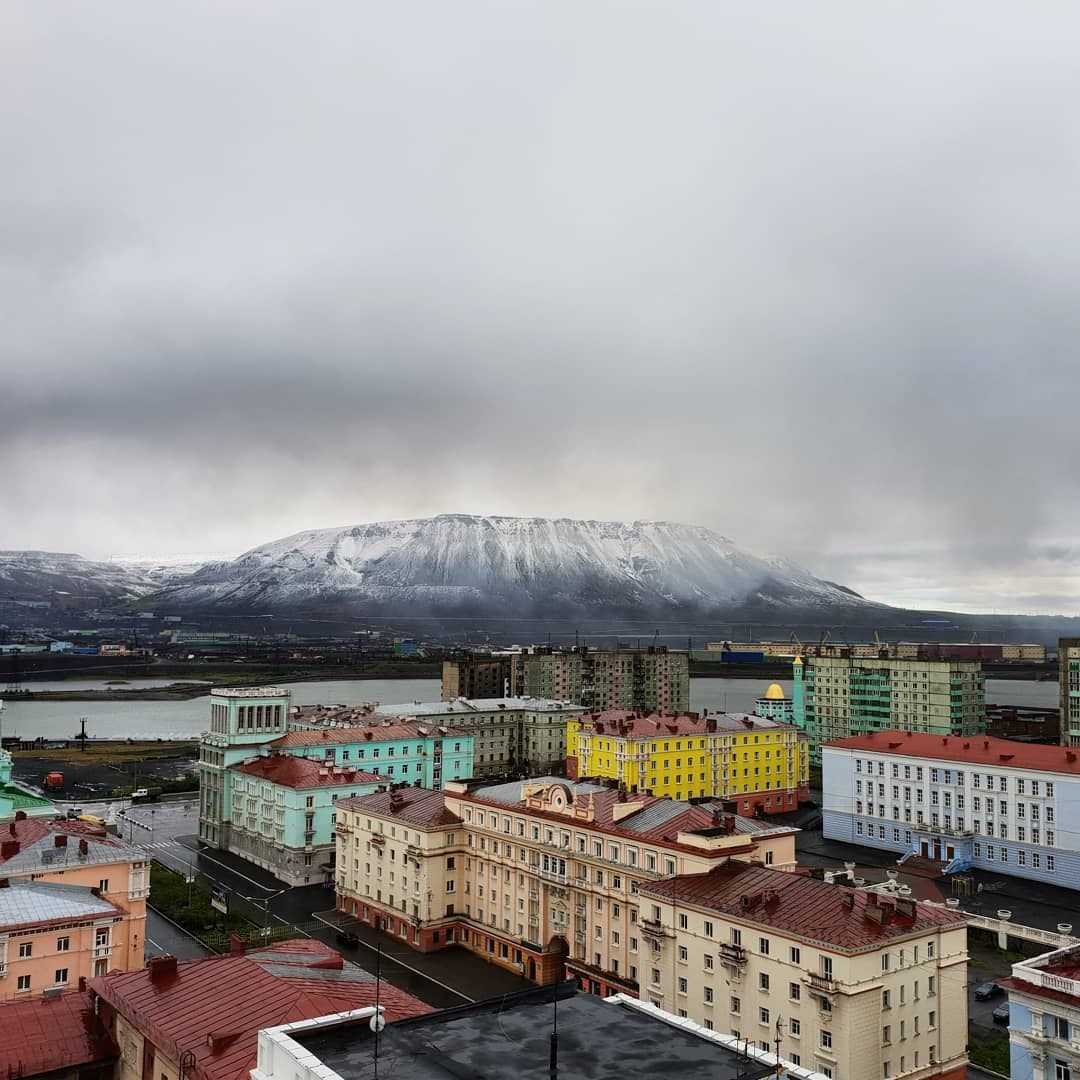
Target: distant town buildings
(1044, 1015)
(539, 876)
(881, 650)
(840, 696)
(759, 764)
(511, 736)
(962, 802)
(648, 678)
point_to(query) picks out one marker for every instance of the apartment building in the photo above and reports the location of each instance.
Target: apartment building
(840, 696)
(53, 935)
(854, 985)
(200, 1020)
(649, 678)
(253, 723)
(283, 810)
(980, 802)
(511, 736)
(540, 876)
(759, 764)
(1044, 1016)
(1069, 690)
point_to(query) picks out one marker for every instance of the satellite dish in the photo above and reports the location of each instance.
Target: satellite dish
(377, 1022)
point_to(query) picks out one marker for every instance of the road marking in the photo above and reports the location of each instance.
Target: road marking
(400, 963)
(225, 866)
(154, 943)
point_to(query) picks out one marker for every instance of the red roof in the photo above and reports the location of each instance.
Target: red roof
(975, 750)
(39, 1035)
(217, 1006)
(374, 732)
(298, 772)
(802, 906)
(622, 724)
(417, 806)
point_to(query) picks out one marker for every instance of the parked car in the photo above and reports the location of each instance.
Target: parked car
(985, 991)
(1001, 1014)
(347, 937)
(72, 813)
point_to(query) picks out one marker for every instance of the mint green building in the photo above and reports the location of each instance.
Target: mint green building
(836, 697)
(13, 798)
(269, 775)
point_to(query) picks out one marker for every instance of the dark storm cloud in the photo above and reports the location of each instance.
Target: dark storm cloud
(802, 273)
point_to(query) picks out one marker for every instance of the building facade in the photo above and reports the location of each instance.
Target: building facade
(775, 705)
(253, 723)
(980, 803)
(53, 935)
(649, 678)
(1044, 1016)
(283, 811)
(511, 736)
(539, 876)
(854, 985)
(759, 764)
(837, 697)
(1069, 690)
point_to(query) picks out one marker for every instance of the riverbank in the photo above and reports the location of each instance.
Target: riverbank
(200, 679)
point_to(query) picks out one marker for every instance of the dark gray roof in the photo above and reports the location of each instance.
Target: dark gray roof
(510, 1037)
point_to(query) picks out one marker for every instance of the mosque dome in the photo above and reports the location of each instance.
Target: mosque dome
(774, 693)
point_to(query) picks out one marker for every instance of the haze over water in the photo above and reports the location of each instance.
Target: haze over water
(185, 719)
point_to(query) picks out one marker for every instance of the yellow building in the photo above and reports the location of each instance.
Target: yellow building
(761, 764)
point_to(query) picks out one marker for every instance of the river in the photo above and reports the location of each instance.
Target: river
(185, 719)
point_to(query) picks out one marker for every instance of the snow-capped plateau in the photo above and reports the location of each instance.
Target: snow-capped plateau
(39, 575)
(525, 567)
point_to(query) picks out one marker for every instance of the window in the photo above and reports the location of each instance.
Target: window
(61, 976)
(826, 1040)
(763, 946)
(794, 991)
(886, 1035)
(23, 982)
(63, 944)
(763, 981)
(683, 954)
(684, 921)
(795, 955)
(708, 929)
(708, 962)
(884, 961)
(794, 1026)
(103, 885)
(1062, 1070)
(736, 1005)
(26, 949)
(763, 1016)
(682, 986)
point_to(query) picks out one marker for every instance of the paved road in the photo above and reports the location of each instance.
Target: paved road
(164, 939)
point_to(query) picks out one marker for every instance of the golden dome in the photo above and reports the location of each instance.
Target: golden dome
(774, 693)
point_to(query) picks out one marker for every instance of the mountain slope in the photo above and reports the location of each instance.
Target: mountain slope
(37, 575)
(492, 565)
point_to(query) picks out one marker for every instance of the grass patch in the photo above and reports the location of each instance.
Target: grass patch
(112, 753)
(992, 1054)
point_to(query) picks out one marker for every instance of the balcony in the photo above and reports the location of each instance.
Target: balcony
(579, 935)
(534, 894)
(342, 828)
(652, 928)
(733, 954)
(820, 984)
(378, 839)
(550, 875)
(579, 909)
(102, 952)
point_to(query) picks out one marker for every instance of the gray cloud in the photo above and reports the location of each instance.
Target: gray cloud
(802, 273)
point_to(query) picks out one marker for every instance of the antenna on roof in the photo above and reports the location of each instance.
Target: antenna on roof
(377, 1022)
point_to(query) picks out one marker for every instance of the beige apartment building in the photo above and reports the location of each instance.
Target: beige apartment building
(511, 736)
(855, 985)
(648, 678)
(539, 876)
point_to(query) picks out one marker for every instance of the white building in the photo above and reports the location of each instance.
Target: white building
(978, 802)
(1044, 1016)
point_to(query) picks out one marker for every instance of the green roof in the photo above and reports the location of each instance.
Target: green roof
(22, 800)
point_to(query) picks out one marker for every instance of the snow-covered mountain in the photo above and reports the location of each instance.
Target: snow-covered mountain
(38, 575)
(526, 567)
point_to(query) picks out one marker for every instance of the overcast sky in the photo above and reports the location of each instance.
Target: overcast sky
(804, 273)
